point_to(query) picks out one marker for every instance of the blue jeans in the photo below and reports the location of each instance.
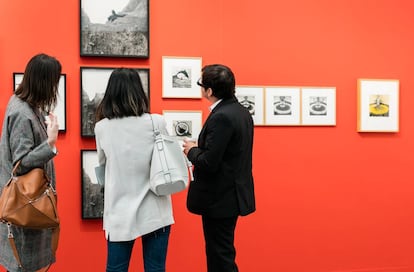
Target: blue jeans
(154, 247)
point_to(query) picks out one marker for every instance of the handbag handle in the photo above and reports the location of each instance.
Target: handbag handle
(13, 173)
(156, 131)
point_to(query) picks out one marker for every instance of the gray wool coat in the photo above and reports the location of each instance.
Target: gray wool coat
(24, 138)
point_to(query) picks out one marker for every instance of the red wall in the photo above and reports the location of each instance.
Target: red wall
(329, 199)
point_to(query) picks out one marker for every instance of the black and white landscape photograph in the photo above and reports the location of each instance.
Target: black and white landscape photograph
(114, 28)
(93, 85)
(92, 192)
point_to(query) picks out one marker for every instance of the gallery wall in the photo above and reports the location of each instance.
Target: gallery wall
(329, 199)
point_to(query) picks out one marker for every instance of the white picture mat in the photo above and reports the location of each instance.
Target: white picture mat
(379, 87)
(291, 119)
(89, 162)
(60, 110)
(329, 93)
(171, 66)
(258, 94)
(195, 117)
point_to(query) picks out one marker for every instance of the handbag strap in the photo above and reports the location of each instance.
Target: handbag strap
(159, 144)
(157, 135)
(13, 174)
(156, 130)
(55, 241)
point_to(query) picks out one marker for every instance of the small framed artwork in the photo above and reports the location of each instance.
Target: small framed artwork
(114, 28)
(92, 192)
(282, 106)
(93, 85)
(252, 99)
(60, 109)
(318, 106)
(378, 105)
(179, 77)
(183, 124)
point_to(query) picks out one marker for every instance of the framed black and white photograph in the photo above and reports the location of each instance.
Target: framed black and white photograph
(183, 124)
(179, 77)
(252, 98)
(93, 85)
(114, 28)
(92, 191)
(378, 105)
(282, 106)
(60, 109)
(318, 106)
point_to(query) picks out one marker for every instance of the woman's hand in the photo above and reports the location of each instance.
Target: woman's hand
(52, 129)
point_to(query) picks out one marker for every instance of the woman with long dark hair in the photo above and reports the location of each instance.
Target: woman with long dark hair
(27, 137)
(124, 140)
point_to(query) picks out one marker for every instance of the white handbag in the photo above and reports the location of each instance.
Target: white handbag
(170, 169)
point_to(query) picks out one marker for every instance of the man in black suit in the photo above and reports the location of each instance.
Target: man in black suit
(223, 182)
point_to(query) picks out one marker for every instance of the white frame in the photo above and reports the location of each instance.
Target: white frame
(256, 94)
(328, 116)
(272, 118)
(367, 89)
(170, 67)
(171, 116)
(60, 110)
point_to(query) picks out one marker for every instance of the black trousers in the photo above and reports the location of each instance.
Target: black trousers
(219, 239)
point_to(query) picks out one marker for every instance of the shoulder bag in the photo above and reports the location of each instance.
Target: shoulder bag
(170, 169)
(29, 201)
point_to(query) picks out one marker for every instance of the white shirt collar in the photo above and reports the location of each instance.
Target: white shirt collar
(215, 104)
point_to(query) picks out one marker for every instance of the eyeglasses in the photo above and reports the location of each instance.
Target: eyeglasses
(201, 84)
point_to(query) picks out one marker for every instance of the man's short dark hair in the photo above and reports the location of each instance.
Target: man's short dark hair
(220, 79)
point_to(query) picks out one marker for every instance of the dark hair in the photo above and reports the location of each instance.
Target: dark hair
(220, 79)
(39, 87)
(124, 96)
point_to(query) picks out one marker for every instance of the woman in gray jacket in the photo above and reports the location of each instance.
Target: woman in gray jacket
(28, 138)
(124, 141)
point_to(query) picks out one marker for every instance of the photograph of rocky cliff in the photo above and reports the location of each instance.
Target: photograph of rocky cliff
(94, 81)
(114, 28)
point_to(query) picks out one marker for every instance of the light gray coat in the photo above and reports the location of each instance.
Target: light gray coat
(24, 138)
(125, 146)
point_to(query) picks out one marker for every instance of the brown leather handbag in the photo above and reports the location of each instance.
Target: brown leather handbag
(30, 201)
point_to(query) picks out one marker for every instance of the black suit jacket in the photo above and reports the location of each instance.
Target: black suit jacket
(223, 180)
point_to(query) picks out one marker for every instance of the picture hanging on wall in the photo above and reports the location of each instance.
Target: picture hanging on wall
(93, 86)
(60, 109)
(253, 100)
(282, 106)
(92, 191)
(378, 105)
(318, 106)
(183, 124)
(180, 76)
(114, 28)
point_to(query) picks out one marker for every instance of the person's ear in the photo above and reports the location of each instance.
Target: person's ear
(209, 92)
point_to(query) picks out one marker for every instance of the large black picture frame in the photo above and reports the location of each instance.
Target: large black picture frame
(92, 192)
(60, 109)
(93, 86)
(114, 28)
